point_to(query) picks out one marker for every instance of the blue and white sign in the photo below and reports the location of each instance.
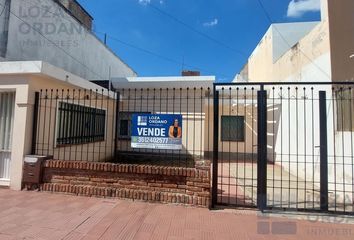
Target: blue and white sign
(157, 131)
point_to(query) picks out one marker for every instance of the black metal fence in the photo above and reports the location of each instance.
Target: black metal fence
(295, 151)
(75, 124)
(273, 145)
(195, 107)
(95, 125)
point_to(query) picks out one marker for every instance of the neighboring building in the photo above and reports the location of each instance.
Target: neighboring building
(306, 51)
(57, 32)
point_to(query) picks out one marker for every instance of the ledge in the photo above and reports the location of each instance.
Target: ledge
(128, 168)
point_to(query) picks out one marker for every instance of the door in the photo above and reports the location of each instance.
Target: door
(235, 122)
(7, 103)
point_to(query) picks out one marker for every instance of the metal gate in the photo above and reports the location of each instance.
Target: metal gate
(286, 146)
(7, 101)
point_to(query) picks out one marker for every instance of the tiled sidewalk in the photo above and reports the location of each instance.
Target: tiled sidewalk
(34, 215)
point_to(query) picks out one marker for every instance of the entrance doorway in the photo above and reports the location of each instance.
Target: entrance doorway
(7, 103)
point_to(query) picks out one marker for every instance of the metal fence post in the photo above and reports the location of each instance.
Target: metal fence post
(262, 150)
(35, 123)
(323, 152)
(116, 134)
(215, 149)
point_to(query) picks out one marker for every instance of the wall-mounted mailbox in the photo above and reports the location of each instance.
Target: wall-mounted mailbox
(32, 170)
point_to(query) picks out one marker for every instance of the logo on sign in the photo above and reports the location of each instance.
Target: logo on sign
(142, 120)
(157, 131)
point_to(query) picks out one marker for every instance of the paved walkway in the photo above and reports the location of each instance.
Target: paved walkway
(237, 185)
(34, 215)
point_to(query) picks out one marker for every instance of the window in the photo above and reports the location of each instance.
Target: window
(78, 124)
(124, 128)
(344, 111)
(233, 128)
(125, 123)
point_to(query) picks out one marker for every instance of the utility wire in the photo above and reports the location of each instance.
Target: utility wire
(52, 42)
(3, 9)
(142, 49)
(158, 55)
(195, 30)
(284, 39)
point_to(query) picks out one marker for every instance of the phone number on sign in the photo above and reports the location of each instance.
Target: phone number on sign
(152, 140)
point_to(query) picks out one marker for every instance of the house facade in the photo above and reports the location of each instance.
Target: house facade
(47, 45)
(19, 83)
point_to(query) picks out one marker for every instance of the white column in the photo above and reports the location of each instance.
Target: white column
(21, 135)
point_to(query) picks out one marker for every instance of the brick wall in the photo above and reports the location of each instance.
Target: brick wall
(179, 185)
(77, 11)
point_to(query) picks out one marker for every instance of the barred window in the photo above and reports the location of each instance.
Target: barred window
(78, 124)
(233, 128)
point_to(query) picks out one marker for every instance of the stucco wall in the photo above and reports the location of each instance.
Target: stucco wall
(47, 131)
(261, 61)
(286, 35)
(234, 150)
(70, 45)
(315, 45)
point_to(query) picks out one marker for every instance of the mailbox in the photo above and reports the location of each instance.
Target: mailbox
(33, 170)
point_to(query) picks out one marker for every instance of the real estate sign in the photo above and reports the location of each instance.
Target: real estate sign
(157, 131)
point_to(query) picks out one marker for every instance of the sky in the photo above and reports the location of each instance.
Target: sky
(216, 37)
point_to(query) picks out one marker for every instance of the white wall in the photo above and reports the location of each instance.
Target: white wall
(297, 137)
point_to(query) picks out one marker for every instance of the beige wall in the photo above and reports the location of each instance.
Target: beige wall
(311, 52)
(330, 43)
(233, 107)
(341, 28)
(313, 47)
(310, 49)
(97, 151)
(260, 63)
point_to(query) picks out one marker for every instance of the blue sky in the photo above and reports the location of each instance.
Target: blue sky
(238, 24)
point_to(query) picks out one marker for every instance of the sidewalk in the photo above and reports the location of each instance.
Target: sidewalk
(35, 215)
